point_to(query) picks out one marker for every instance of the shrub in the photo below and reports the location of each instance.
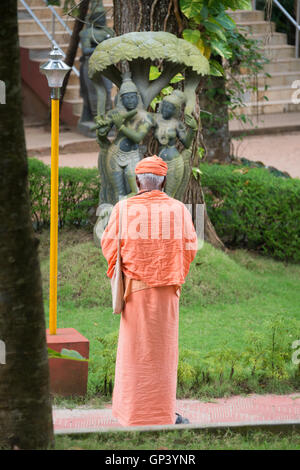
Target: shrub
(78, 193)
(251, 208)
(265, 360)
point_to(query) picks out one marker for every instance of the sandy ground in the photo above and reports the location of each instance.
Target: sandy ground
(279, 150)
(85, 160)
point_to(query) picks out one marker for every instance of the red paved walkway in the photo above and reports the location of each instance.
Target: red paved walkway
(255, 409)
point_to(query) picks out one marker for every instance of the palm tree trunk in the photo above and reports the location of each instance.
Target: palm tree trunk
(25, 408)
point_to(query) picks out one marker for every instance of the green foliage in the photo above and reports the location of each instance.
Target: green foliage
(108, 355)
(215, 34)
(210, 24)
(266, 358)
(253, 209)
(69, 354)
(249, 207)
(78, 192)
(154, 73)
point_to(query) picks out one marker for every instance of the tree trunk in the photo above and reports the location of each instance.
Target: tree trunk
(25, 408)
(164, 15)
(215, 129)
(73, 44)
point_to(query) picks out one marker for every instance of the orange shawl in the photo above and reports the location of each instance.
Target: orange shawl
(159, 240)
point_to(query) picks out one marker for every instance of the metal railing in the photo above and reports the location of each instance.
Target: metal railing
(51, 37)
(295, 22)
(60, 20)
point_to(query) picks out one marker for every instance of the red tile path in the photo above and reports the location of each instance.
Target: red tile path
(254, 409)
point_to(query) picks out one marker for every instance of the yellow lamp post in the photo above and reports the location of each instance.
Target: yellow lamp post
(55, 70)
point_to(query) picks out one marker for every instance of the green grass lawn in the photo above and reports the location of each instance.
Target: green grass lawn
(235, 307)
(182, 440)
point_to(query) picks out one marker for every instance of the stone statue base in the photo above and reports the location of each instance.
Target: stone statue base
(103, 213)
(85, 128)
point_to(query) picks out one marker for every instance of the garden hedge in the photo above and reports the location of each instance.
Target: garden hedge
(249, 207)
(254, 209)
(78, 193)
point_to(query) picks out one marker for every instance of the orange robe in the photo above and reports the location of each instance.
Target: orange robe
(158, 244)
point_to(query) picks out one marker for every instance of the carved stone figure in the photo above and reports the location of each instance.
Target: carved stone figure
(118, 161)
(96, 96)
(169, 128)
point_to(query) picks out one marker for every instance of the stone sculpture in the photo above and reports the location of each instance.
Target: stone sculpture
(96, 96)
(118, 160)
(136, 52)
(169, 128)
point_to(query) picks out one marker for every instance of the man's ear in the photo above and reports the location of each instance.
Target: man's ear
(138, 182)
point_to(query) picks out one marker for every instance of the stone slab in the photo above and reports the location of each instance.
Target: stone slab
(68, 377)
(264, 411)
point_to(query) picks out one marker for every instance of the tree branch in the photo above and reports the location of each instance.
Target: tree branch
(169, 71)
(73, 44)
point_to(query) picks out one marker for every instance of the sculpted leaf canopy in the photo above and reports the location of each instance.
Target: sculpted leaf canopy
(142, 48)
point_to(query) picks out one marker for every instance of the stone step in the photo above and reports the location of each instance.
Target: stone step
(269, 107)
(30, 26)
(34, 3)
(278, 52)
(276, 79)
(257, 26)
(290, 64)
(275, 93)
(246, 15)
(42, 12)
(40, 53)
(266, 124)
(77, 105)
(32, 39)
(272, 39)
(72, 91)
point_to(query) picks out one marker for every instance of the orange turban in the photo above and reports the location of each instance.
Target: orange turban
(153, 165)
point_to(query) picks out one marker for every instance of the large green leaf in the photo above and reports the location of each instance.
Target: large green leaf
(191, 35)
(226, 21)
(216, 69)
(221, 49)
(236, 4)
(154, 73)
(191, 8)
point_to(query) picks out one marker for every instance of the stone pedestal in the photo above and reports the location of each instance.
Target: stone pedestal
(68, 377)
(86, 128)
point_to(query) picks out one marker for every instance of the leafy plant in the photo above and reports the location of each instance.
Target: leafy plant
(229, 51)
(69, 354)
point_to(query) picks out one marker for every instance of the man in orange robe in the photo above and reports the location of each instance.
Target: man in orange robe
(158, 243)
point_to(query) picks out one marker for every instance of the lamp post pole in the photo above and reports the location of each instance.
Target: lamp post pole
(55, 70)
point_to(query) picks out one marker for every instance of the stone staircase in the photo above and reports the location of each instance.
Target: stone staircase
(35, 48)
(278, 113)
